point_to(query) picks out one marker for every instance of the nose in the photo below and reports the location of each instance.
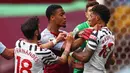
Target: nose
(64, 16)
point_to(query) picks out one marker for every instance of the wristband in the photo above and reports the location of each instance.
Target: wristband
(2, 47)
(71, 53)
(54, 41)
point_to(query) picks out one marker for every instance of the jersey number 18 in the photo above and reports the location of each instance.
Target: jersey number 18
(23, 67)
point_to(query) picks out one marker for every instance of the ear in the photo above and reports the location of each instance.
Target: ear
(97, 18)
(52, 17)
(36, 33)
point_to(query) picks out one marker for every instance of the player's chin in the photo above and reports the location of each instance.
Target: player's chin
(64, 25)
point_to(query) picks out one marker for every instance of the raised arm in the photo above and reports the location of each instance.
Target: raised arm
(5, 52)
(53, 42)
(65, 54)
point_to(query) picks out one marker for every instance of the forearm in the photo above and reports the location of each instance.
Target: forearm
(65, 54)
(78, 56)
(83, 56)
(8, 53)
(49, 44)
(77, 43)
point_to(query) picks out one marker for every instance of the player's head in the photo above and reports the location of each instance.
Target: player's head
(56, 15)
(100, 14)
(30, 28)
(89, 6)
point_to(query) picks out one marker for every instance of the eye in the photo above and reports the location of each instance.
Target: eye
(61, 14)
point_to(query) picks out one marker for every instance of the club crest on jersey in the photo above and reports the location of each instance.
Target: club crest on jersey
(51, 39)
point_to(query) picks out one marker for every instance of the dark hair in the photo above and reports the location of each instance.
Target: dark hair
(29, 27)
(51, 10)
(91, 3)
(103, 12)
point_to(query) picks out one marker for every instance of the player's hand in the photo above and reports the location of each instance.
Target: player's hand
(69, 38)
(61, 37)
(86, 33)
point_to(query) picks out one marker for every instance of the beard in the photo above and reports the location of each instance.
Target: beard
(64, 26)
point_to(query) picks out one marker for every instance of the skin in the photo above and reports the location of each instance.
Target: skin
(85, 56)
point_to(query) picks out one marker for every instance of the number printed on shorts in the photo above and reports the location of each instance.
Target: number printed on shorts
(23, 67)
(106, 50)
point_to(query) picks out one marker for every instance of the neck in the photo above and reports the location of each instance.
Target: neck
(33, 41)
(53, 28)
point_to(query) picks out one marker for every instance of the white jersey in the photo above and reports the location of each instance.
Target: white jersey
(29, 58)
(102, 41)
(47, 36)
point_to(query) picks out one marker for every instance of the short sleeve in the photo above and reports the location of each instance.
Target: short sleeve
(75, 31)
(48, 57)
(2, 47)
(93, 41)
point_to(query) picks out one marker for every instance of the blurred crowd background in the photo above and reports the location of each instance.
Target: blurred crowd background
(14, 12)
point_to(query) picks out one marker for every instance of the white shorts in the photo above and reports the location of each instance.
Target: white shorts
(91, 69)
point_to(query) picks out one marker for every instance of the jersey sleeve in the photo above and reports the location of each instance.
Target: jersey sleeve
(48, 57)
(46, 37)
(2, 47)
(93, 41)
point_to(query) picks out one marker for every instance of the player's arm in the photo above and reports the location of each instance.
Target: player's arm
(65, 54)
(110, 61)
(84, 35)
(83, 56)
(54, 41)
(76, 44)
(90, 47)
(8, 53)
(52, 58)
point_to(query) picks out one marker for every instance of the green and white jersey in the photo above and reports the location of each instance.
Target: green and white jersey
(79, 28)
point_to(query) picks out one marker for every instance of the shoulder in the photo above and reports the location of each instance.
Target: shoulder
(46, 36)
(19, 40)
(43, 51)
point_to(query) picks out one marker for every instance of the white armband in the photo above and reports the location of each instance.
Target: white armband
(54, 41)
(2, 47)
(71, 53)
